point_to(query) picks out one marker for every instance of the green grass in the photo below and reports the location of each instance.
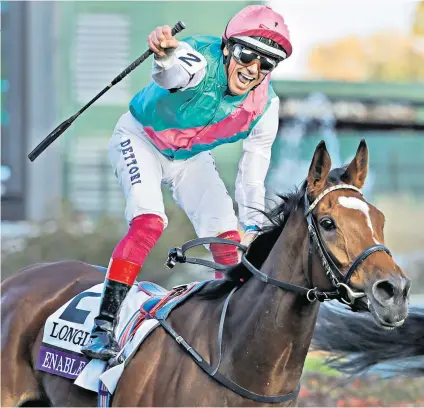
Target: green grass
(315, 364)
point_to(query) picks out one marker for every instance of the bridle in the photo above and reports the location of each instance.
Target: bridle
(341, 289)
(340, 282)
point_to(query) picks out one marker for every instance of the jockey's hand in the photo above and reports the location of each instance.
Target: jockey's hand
(161, 41)
(247, 239)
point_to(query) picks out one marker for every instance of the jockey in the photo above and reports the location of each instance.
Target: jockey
(206, 91)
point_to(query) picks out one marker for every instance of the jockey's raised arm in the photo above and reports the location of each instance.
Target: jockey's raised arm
(183, 67)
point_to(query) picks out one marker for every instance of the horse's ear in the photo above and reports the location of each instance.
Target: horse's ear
(357, 170)
(319, 169)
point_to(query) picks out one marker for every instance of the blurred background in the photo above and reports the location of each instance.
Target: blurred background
(357, 71)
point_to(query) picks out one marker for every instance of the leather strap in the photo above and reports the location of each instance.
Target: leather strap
(217, 376)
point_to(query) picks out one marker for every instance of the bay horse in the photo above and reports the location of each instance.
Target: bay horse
(323, 242)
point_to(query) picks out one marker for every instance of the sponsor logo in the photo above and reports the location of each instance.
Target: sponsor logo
(69, 334)
(65, 332)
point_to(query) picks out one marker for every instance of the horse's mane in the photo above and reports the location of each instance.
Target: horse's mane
(260, 248)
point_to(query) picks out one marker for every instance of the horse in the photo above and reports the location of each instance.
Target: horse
(355, 346)
(242, 340)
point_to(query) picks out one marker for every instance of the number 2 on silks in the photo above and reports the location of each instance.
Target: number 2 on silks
(72, 313)
(188, 58)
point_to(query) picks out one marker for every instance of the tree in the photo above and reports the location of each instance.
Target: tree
(384, 56)
(418, 26)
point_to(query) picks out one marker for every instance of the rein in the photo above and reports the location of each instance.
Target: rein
(341, 289)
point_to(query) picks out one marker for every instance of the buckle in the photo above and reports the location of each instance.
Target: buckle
(114, 361)
(174, 255)
(180, 289)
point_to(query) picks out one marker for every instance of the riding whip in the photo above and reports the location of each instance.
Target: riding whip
(68, 122)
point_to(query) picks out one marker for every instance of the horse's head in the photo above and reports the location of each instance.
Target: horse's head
(351, 231)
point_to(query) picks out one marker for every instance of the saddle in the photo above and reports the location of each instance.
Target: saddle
(160, 297)
(68, 329)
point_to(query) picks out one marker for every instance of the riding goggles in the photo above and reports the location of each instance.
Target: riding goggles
(246, 56)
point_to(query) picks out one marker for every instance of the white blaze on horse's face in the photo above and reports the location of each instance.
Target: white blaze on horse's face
(355, 203)
(351, 239)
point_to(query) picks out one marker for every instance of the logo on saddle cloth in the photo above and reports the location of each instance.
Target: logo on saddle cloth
(65, 332)
(68, 329)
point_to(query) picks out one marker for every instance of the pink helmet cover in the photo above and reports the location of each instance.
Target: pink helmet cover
(261, 21)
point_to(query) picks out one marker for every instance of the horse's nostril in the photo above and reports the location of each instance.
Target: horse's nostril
(383, 290)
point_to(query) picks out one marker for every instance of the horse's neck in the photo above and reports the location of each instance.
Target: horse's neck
(270, 328)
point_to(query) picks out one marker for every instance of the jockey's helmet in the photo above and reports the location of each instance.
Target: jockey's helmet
(262, 29)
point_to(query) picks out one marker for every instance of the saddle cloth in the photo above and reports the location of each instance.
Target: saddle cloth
(68, 329)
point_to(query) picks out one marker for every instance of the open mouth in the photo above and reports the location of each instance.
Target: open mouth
(381, 322)
(245, 79)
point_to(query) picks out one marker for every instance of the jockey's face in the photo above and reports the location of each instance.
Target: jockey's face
(242, 78)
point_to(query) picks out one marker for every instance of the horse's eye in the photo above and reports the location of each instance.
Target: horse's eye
(327, 223)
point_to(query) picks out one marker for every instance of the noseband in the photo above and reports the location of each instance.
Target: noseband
(341, 289)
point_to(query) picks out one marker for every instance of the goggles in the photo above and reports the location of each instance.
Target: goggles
(246, 56)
